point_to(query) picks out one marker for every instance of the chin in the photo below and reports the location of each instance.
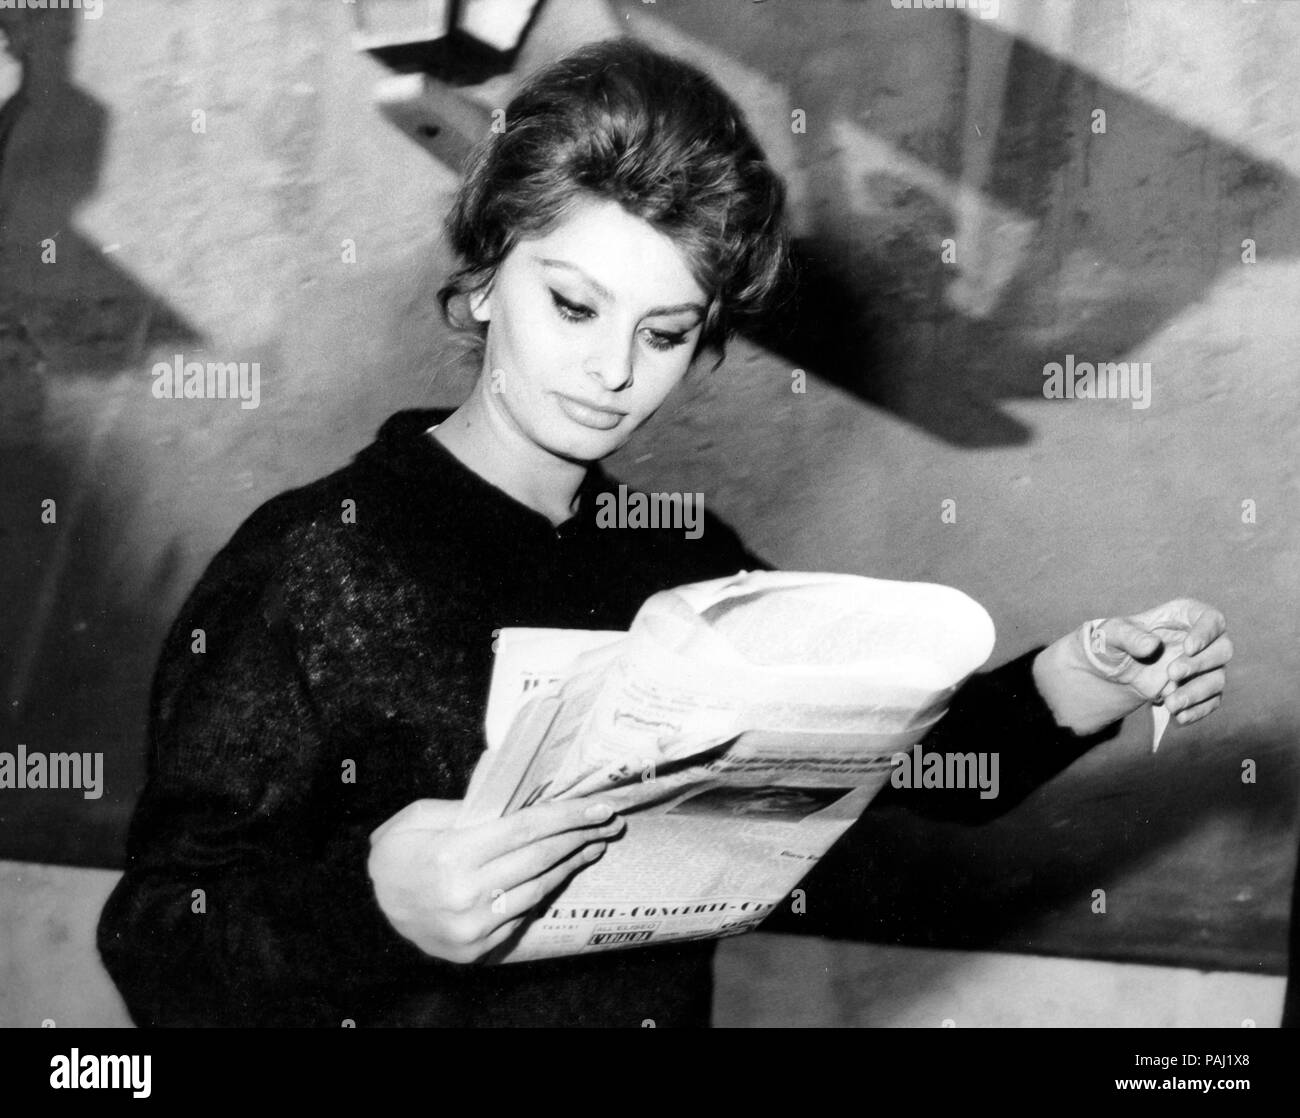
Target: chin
(580, 444)
(590, 449)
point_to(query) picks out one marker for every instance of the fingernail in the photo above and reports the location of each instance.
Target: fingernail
(599, 811)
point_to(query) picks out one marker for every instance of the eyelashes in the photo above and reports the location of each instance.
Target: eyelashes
(571, 312)
(660, 340)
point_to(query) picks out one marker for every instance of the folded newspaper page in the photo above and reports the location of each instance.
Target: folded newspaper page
(740, 726)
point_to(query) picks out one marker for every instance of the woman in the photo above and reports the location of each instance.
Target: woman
(293, 860)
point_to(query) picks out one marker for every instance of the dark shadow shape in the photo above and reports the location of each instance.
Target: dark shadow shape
(76, 654)
(81, 314)
(457, 58)
(871, 316)
(1025, 882)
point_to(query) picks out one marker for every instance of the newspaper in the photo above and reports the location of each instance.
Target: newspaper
(740, 726)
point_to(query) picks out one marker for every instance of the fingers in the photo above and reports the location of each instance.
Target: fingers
(1199, 711)
(1196, 676)
(1197, 635)
(1124, 636)
(485, 842)
(522, 899)
(1203, 624)
(1215, 655)
(1209, 624)
(518, 866)
(1191, 697)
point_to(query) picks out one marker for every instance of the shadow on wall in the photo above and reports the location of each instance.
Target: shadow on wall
(1051, 251)
(88, 317)
(72, 652)
(898, 878)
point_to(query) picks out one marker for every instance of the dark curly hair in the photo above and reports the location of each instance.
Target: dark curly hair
(618, 120)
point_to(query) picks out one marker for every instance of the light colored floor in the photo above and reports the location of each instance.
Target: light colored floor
(770, 980)
(49, 971)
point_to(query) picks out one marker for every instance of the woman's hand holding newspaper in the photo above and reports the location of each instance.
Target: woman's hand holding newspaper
(457, 893)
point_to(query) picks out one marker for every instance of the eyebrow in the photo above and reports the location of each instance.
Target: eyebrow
(607, 295)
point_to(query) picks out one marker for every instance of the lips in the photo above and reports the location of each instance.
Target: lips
(585, 414)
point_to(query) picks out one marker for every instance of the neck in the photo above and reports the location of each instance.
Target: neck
(486, 441)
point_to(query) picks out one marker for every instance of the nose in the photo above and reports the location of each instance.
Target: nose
(610, 365)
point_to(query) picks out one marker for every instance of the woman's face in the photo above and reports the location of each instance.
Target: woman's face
(589, 328)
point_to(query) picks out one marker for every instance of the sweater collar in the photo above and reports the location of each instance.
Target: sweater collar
(404, 447)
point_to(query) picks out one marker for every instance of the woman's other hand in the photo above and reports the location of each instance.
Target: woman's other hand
(1176, 653)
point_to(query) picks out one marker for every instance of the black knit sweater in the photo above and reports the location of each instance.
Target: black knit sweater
(346, 641)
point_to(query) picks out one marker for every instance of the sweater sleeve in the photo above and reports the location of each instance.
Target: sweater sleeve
(997, 711)
(246, 899)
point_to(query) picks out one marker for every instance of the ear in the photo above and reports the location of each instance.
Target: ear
(480, 304)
